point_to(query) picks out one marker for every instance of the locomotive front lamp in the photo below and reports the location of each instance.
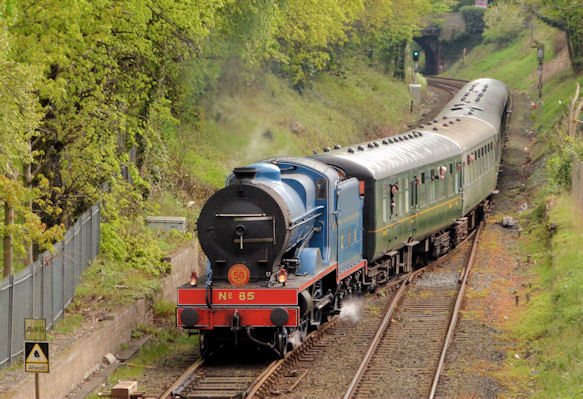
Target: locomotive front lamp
(282, 276)
(193, 279)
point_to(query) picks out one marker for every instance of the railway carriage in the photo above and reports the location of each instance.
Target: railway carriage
(290, 238)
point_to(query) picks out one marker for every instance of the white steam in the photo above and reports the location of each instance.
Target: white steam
(351, 309)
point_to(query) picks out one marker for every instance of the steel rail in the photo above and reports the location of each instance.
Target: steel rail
(262, 378)
(449, 84)
(390, 310)
(377, 338)
(454, 316)
(182, 378)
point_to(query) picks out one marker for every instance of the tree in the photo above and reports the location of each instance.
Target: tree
(108, 72)
(566, 15)
(307, 31)
(504, 21)
(19, 118)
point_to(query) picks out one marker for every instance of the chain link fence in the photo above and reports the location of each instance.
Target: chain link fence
(44, 289)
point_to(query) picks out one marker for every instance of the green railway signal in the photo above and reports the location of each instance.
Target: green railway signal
(415, 55)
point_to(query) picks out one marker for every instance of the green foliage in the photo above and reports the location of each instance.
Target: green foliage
(109, 70)
(19, 117)
(270, 119)
(504, 21)
(559, 166)
(462, 3)
(510, 63)
(474, 18)
(552, 323)
(69, 323)
(131, 243)
(107, 283)
(566, 15)
(308, 30)
(164, 309)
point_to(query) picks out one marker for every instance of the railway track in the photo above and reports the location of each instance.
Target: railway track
(422, 315)
(282, 378)
(295, 368)
(218, 378)
(450, 85)
(421, 310)
(299, 367)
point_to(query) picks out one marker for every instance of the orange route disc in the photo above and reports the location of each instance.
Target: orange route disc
(239, 275)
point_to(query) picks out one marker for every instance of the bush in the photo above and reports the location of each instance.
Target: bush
(461, 4)
(474, 18)
(163, 309)
(504, 21)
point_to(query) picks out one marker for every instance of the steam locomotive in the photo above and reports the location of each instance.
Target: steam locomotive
(290, 238)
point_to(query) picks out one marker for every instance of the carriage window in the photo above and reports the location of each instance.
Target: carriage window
(451, 169)
(400, 202)
(386, 202)
(393, 190)
(423, 178)
(406, 198)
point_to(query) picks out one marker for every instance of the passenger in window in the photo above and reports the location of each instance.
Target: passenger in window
(394, 190)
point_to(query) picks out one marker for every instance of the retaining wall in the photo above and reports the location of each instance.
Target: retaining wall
(76, 362)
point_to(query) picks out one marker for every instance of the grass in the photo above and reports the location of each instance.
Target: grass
(509, 62)
(269, 119)
(547, 361)
(166, 343)
(108, 283)
(553, 324)
(69, 323)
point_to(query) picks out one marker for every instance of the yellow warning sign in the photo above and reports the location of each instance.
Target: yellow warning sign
(36, 355)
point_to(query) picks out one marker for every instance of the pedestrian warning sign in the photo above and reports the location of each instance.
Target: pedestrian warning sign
(36, 355)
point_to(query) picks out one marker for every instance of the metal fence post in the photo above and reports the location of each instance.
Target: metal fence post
(31, 267)
(78, 248)
(10, 316)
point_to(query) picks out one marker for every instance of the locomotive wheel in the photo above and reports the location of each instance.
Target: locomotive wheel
(206, 344)
(304, 329)
(316, 320)
(281, 341)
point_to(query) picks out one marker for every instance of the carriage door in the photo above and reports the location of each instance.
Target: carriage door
(349, 211)
(458, 183)
(413, 204)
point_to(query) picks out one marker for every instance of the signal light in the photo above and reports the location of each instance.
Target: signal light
(193, 279)
(282, 276)
(415, 55)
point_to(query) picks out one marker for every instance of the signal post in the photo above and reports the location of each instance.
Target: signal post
(414, 88)
(36, 350)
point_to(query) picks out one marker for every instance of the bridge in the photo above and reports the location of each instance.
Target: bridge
(453, 24)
